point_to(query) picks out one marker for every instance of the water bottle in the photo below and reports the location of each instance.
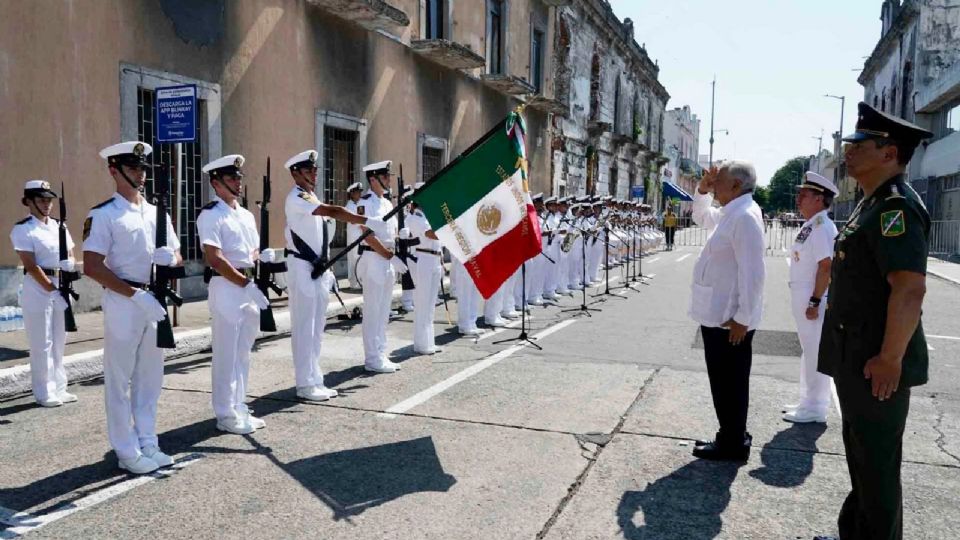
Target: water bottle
(5, 319)
(18, 319)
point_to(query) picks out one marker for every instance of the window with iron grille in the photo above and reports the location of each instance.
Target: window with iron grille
(495, 20)
(186, 198)
(613, 181)
(432, 162)
(339, 171)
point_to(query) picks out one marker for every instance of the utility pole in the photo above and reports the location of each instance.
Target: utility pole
(819, 152)
(836, 170)
(713, 101)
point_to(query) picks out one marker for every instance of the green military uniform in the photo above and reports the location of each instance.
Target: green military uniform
(887, 232)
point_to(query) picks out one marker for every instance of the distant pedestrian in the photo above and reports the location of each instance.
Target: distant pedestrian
(669, 227)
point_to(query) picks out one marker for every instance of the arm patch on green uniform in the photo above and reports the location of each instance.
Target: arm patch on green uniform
(892, 223)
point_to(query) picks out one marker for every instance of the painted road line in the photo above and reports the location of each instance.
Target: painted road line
(953, 338)
(682, 257)
(20, 523)
(655, 259)
(422, 397)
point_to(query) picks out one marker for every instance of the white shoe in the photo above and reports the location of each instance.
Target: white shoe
(237, 426)
(158, 457)
(803, 416)
(141, 465)
(787, 407)
(551, 296)
(383, 367)
(316, 393)
(537, 301)
(470, 332)
(50, 402)
(496, 323)
(67, 397)
(512, 314)
(256, 423)
(432, 350)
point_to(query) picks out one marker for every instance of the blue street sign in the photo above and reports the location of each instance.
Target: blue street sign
(176, 113)
(637, 192)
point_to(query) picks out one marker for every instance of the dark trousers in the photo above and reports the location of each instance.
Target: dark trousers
(728, 367)
(873, 441)
(670, 232)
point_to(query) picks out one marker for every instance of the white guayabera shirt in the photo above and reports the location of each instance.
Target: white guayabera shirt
(729, 273)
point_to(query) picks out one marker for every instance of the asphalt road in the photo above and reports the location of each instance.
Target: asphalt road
(588, 438)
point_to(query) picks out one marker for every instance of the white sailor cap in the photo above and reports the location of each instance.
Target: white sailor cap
(232, 165)
(608, 198)
(418, 185)
(307, 158)
(380, 167)
(537, 197)
(819, 183)
(129, 153)
(356, 186)
(38, 188)
(550, 200)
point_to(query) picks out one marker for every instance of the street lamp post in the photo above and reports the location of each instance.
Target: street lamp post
(836, 170)
(819, 151)
(713, 102)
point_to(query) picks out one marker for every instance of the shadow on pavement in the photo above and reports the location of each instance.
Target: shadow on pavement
(685, 504)
(785, 468)
(352, 481)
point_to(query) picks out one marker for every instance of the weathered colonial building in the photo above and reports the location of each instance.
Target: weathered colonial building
(415, 81)
(914, 73)
(610, 138)
(681, 140)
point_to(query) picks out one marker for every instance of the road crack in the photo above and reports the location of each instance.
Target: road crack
(941, 441)
(600, 440)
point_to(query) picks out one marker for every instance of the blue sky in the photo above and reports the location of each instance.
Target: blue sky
(773, 59)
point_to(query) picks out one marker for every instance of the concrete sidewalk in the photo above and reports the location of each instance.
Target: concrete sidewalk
(945, 270)
(83, 357)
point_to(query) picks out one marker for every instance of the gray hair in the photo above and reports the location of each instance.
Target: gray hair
(742, 171)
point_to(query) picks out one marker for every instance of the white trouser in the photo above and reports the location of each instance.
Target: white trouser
(508, 305)
(378, 278)
(494, 305)
(814, 386)
(428, 275)
(132, 375)
(550, 268)
(562, 269)
(46, 336)
(308, 317)
(235, 323)
(575, 276)
(352, 257)
(519, 300)
(468, 299)
(535, 275)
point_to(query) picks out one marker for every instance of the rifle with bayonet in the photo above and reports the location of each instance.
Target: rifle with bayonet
(162, 277)
(65, 285)
(265, 272)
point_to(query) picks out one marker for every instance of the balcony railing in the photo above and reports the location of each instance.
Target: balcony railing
(370, 14)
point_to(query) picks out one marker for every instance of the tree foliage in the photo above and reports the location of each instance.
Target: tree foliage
(782, 188)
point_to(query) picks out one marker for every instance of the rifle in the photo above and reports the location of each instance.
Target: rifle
(66, 278)
(244, 199)
(264, 272)
(403, 244)
(161, 277)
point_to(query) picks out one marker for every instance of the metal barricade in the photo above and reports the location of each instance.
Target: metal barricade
(945, 238)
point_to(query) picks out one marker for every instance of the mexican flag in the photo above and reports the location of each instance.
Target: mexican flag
(479, 206)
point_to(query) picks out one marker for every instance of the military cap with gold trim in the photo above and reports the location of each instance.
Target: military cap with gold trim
(231, 165)
(38, 188)
(874, 124)
(305, 159)
(816, 182)
(129, 153)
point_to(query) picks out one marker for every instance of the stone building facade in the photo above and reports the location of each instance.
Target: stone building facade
(415, 81)
(681, 140)
(914, 73)
(610, 138)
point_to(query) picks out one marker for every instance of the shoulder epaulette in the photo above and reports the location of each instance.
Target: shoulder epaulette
(367, 196)
(104, 203)
(209, 205)
(894, 194)
(24, 220)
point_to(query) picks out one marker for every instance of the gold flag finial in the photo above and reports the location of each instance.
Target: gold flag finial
(519, 109)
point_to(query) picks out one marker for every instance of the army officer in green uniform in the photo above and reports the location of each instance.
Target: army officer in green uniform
(873, 344)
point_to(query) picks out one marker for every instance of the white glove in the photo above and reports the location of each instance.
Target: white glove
(56, 299)
(165, 256)
(68, 265)
(255, 296)
(405, 234)
(378, 226)
(149, 304)
(268, 255)
(398, 265)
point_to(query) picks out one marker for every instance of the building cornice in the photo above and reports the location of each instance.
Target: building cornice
(908, 13)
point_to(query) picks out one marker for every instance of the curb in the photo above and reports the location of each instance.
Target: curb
(15, 381)
(944, 277)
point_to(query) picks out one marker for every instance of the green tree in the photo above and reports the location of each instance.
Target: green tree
(783, 184)
(762, 197)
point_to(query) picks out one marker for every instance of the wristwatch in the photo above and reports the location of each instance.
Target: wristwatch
(814, 302)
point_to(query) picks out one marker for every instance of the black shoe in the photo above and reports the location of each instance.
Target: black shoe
(747, 440)
(717, 452)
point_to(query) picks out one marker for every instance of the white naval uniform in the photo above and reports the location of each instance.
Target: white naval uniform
(353, 232)
(468, 298)
(125, 234)
(44, 324)
(308, 297)
(427, 275)
(813, 244)
(235, 318)
(377, 277)
(551, 247)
